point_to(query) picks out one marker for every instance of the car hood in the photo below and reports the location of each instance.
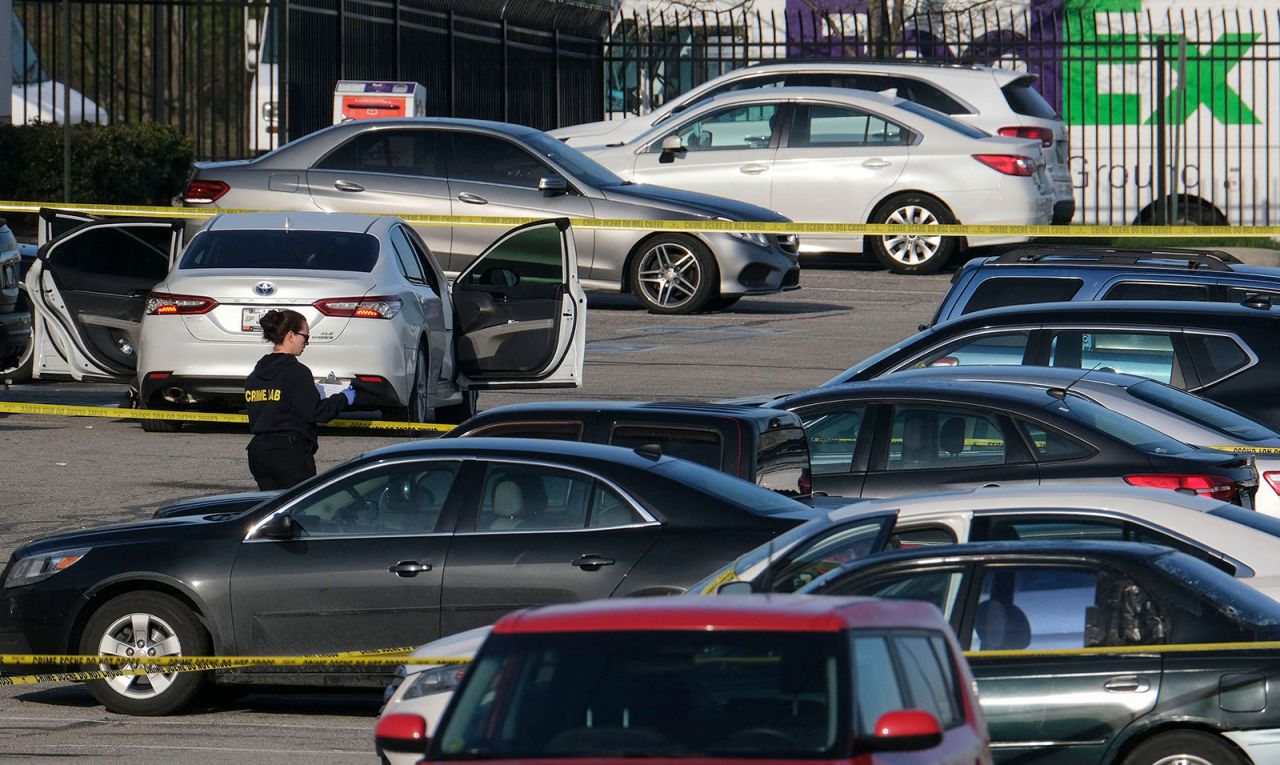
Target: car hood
(689, 202)
(463, 645)
(121, 533)
(218, 503)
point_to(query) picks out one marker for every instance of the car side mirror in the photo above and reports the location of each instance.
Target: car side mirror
(553, 185)
(906, 730)
(402, 734)
(671, 147)
(734, 588)
(279, 526)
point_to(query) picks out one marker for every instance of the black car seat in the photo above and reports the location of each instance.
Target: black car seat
(1001, 626)
(951, 436)
(917, 451)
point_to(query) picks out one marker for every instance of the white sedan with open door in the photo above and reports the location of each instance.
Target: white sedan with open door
(122, 300)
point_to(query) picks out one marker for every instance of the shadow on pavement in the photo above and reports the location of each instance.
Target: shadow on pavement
(364, 704)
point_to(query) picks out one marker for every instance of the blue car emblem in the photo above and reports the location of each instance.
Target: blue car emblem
(264, 288)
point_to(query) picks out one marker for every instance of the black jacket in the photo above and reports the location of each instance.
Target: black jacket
(282, 397)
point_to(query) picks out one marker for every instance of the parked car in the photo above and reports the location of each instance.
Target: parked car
(1224, 352)
(765, 446)
(1184, 416)
(1046, 273)
(15, 318)
(997, 101)
(354, 559)
(1135, 705)
(435, 166)
(827, 155)
(685, 680)
(378, 305)
(898, 435)
(1238, 541)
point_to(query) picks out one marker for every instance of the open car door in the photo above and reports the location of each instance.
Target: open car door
(520, 313)
(88, 289)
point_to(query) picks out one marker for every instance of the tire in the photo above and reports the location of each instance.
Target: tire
(172, 630)
(1185, 747)
(459, 413)
(674, 274)
(911, 253)
(1191, 212)
(21, 372)
(157, 426)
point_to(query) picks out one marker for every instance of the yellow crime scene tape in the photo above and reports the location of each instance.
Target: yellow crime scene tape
(156, 211)
(160, 414)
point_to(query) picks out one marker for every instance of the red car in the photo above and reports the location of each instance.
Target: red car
(839, 680)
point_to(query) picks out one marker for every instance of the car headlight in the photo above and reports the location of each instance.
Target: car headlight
(435, 680)
(760, 240)
(34, 568)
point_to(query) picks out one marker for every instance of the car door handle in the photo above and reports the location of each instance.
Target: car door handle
(347, 186)
(753, 169)
(472, 199)
(1127, 684)
(876, 162)
(593, 562)
(408, 568)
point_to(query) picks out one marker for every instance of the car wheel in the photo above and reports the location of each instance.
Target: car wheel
(145, 624)
(21, 371)
(674, 274)
(152, 426)
(459, 413)
(1184, 748)
(912, 253)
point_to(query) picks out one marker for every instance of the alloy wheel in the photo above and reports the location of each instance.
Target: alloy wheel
(140, 636)
(669, 275)
(1182, 759)
(912, 249)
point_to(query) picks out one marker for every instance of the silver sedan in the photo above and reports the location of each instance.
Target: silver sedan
(485, 169)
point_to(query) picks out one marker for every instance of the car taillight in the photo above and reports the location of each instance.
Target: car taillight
(402, 733)
(805, 484)
(1215, 486)
(165, 304)
(204, 192)
(1273, 480)
(384, 307)
(1043, 135)
(1009, 164)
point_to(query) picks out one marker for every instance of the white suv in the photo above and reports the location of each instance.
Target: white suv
(997, 101)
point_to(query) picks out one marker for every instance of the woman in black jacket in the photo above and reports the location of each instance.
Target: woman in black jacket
(284, 405)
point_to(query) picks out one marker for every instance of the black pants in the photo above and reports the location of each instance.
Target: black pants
(280, 460)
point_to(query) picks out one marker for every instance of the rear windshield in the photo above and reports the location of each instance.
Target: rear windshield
(1101, 419)
(1024, 99)
(783, 460)
(1001, 291)
(1236, 603)
(649, 693)
(733, 491)
(1214, 416)
(694, 444)
(933, 115)
(1267, 524)
(276, 250)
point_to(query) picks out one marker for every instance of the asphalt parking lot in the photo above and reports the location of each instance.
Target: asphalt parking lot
(67, 473)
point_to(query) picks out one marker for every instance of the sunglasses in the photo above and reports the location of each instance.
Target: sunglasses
(306, 338)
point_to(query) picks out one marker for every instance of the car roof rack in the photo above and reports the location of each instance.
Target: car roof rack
(1093, 255)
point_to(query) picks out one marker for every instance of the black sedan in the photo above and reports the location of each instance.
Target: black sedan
(1029, 614)
(397, 547)
(894, 436)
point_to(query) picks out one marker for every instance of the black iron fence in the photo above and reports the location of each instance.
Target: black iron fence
(1172, 114)
(240, 76)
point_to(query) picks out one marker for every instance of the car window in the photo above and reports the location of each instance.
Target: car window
(828, 551)
(519, 497)
(1050, 445)
(782, 461)
(1241, 294)
(747, 83)
(409, 264)
(281, 250)
(739, 127)
(950, 123)
(1156, 291)
(991, 348)
(108, 251)
(875, 681)
(396, 500)
(730, 490)
(909, 88)
(929, 678)
(487, 159)
(704, 447)
(907, 537)
(531, 262)
(1002, 291)
(1098, 418)
(833, 436)
(398, 152)
(1146, 354)
(826, 125)
(927, 437)
(559, 431)
(1026, 100)
(1217, 357)
(939, 587)
(422, 254)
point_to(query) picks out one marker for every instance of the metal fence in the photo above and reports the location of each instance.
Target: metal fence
(1172, 114)
(241, 76)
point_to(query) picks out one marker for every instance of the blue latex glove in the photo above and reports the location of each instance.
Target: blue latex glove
(350, 393)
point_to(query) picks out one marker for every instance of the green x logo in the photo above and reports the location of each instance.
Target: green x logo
(1206, 81)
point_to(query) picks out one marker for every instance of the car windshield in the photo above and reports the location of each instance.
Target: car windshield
(1213, 416)
(733, 491)
(933, 115)
(1101, 419)
(276, 250)
(574, 162)
(853, 372)
(645, 693)
(1246, 608)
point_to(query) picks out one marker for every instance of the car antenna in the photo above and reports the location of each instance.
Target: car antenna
(1061, 393)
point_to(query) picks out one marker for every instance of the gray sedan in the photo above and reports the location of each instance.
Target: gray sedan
(486, 169)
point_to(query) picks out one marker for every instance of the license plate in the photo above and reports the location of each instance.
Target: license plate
(249, 318)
